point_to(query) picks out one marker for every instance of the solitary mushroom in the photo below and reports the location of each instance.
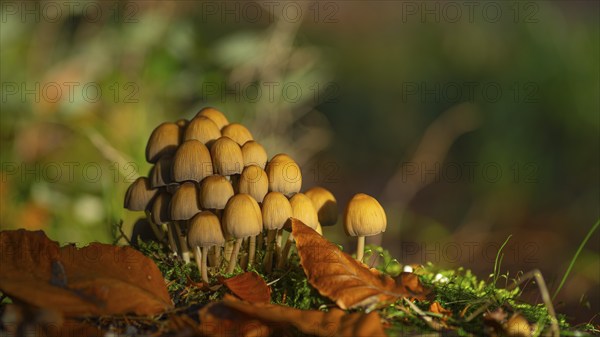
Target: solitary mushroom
(303, 210)
(254, 154)
(163, 141)
(276, 210)
(239, 133)
(204, 232)
(203, 130)
(254, 181)
(325, 204)
(241, 219)
(192, 162)
(215, 115)
(284, 175)
(364, 216)
(227, 157)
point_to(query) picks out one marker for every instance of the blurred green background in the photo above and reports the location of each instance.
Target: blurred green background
(470, 121)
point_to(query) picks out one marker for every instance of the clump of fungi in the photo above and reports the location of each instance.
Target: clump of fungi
(213, 194)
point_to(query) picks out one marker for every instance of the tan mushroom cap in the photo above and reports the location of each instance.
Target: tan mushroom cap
(227, 157)
(192, 162)
(215, 191)
(139, 195)
(325, 204)
(239, 133)
(184, 202)
(364, 216)
(161, 174)
(276, 210)
(242, 217)
(161, 212)
(215, 115)
(205, 230)
(303, 210)
(284, 175)
(254, 154)
(163, 141)
(202, 129)
(254, 181)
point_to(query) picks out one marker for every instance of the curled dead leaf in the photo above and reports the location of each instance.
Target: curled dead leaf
(249, 287)
(437, 308)
(98, 279)
(349, 283)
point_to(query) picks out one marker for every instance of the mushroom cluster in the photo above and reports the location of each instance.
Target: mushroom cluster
(213, 193)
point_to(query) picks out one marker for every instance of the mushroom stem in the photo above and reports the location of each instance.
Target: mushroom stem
(360, 248)
(171, 238)
(234, 255)
(285, 252)
(204, 265)
(228, 250)
(198, 258)
(158, 233)
(251, 250)
(212, 259)
(185, 251)
(217, 256)
(268, 260)
(260, 240)
(278, 241)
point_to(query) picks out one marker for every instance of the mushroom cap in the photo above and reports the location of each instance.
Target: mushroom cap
(215, 115)
(163, 141)
(325, 204)
(254, 181)
(192, 162)
(227, 156)
(276, 210)
(161, 174)
(215, 191)
(205, 230)
(254, 154)
(303, 210)
(242, 216)
(202, 129)
(239, 133)
(364, 216)
(160, 212)
(139, 195)
(184, 202)
(284, 175)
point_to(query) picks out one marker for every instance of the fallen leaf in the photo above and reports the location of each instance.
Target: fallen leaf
(249, 287)
(437, 308)
(341, 278)
(98, 279)
(235, 317)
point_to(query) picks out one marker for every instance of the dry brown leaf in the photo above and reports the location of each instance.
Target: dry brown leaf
(349, 283)
(249, 287)
(98, 279)
(437, 308)
(235, 317)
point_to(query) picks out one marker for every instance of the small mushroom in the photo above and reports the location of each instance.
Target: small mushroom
(215, 115)
(254, 154)
(254, 181)
(163, 141)
(364, 216)
(161, 175)
(303, 210)
(325, 204)
(161, 214)
(227, 157)
(184, 205)
(241, 219)
(139, 194)
(239, 133)
(215, 191)
(276, 210)
(284, 175)
(202, 129)
(192, 162)
(204, 232)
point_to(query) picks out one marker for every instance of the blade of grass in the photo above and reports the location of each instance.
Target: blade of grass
(579, 249)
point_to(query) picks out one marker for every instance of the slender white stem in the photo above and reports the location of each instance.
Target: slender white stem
(234, 255)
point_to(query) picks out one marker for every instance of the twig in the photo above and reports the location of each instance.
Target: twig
(434, 325)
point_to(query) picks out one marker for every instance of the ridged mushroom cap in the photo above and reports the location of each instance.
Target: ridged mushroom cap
(161, 175)
(205, 230)
(239, 133)
(303, 210)
(202, 129)
(364, 216)
(163, 141)
(254, 154)
(276, 210)
(284, 175)
(325, 204)
(215, 191)
(254, 181)
(215, 115)
(192, 162)
(138, 195)
(242, 217)
(161, 213)
(184, 202)
(227, 157)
